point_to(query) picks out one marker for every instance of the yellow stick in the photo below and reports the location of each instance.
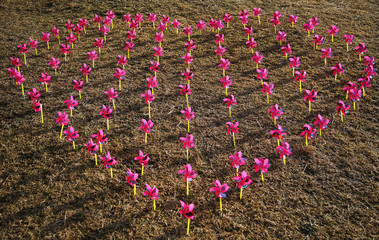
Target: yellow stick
(36, 52)
(354, 105)
(309, 33)
(96, 159)
(142, 170)
(65, 57)
(187, 188)
(332, 38)
(111, 173)
(60, 136)
(73, 144)
(234, 140)
(154, 205)
(107, 124)
(262, 177)
(237, 172)
(259, 20)
(284, 160)
(278, 141)
(300, 85)
(80, 95)
(275, 121)
(293, 72)
(70, 112)
(112, 23)
(119, 84)
(325, 61)
(306, 140)
(187, 99)
(158, 59)
(48, 46)
(55, 71)
(320, 132)
(105, 38)
(46, 87)
(223, 72)
(134, 189)
(85, 32)
(114, 106)
(86, 78)
(22, 89)
(99, 25)
(59, 40)
(364, 94)
(25, 58)
(189, 67)
(101, 147)
(154, 25)
(42, 113)
(145, 137)
(187, 153)
(257, 66)
(335, 77)
(226, 91)
(188, 226)
(286, 56)
(268, 101)
(227, 25)
(230, 112)
(347, 47)
(292, 24)
(100, 51)
(18, 68)
(188, 126)
(341, 117)
(93, 63)
(220, 204)
(241, 193)
(148, 104)
(275, 29)
(309, 106)
(347, 94)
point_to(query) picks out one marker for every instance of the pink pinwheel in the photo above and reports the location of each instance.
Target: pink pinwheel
(149, 97)
(20, 81)
(188, 115)
(33, 44)
(261, 165)
(111, 15)
(277, 15)
(23, 50)
(104, 30)
(152, 18)
(314, 22)
(162, 27)
(326, 53)
(107, 21)
(369, 61)
(152, 83)
(132, 179)
(54, 63)
(248, 32)
(92, 148)
(220, 51)
(262, 74)
(86, 70)
(294, 62)
(281, 37)
(112, 95)
(131, 35)
(78, 29)
(268, 89)
(108, 162)
(159, 36)
(251, 44)
(152, 193)
(187, 212)
(232, 129)
(143, 160)
(139, 19)
(284, 150)
(275, 112)
(365, 83)
(154, 66)
(146, 126)
(230, 101)
(71, 134)
(243, 180)
(127, 18)
(83, 23)
(348, 40)
(187, 31)
(187, 142)
(69, 26)
(185, 90)
(133, 25)
(201, 25)
(62, 120)
(278, 133)
(257, 59)
(78, 85)
(237, 160)
(321, 122)
(188, 59)
(342, 109)
(244, 20)
(349, 87)
(97, 19)
(45, 79)
(275, 22)
(158, 51)
(308, 27)
(65, 49)
(224, 65)
(190, 45)
(218, 26)
(165, 19)
(101, 138)
(220, 191)
(370, 71)
(13, 72)
(333, 30)
(129, 46)
(176, 24)
(244, 13)
(308, 133)
(226, 83)
(227, 18)
(106, 112)
(187, 75)
(337, 70)
(71, 104)
(212, 24)
(34, 95)
(71, 39)
(55, 32)
(188, 174)
(355, 95)
(122, 60)
(300, 77)
(293, 19)
(317, 40)
(360, 50)
(99, 43)
(310, 96)
(92, 56)
(119, 74)
(37, 107)
(16, 62)
(257, 12)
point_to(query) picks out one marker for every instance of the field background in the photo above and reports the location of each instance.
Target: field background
(326, 190)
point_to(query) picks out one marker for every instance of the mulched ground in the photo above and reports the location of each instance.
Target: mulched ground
(326, 190)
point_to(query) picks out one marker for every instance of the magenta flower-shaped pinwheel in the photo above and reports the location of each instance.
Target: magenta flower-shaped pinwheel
(101, 138)
(360, 50)
(33, 44)
(127, 18)
(158, 51)
(348, 40)
(65, 49)
(54, 63)
(244, 20)
(55, 32)
(187, 212)
(16, 62)
(224, 65)
(294, 62)
(99, 43)
(112, 95)
(284, 150)
(230, 101)
(220, 51)
(237, 160)
(71, 39)
(308, 27)
(139, 19)
(257, 12)
(97, 19)
(370, 71)
(46, 38)
(188, 115)
(71, 134)
(317, 40)
(369, 61)
(131, 35)
(314, 21)
(129, 46)
(188, 174)
(92, 56)
(349, 87)
(133, 25)
(281, 37)
(321, 122)
(187, 31)
(220, 191)
(175, 24)
(122, 60)
(293, 19)
(78, 29)
(262, 74)
(337, 70)
(92, 148)
(143, 160)
(286, 50)
(226, 82)
(165, 19)
(326, 53)
(251, 44)
(78, 85)
(152, 193)
(342, 109)
(146, 126)
(34, 95)
(278, 133)
(244, 13)
(107, 21)
(219, 25)
(62, 120)
(257, 59)
(13, 72)
(152, 83)
(333, 30)
(37, 107)
(261, 165)
(154, 66)
(275, 112)
(119, 74)
(108, 162)
(71, 104)
(188, 59)
(188, 142)
(149, 97)
(300, 77)
(159, 36)
(310, 96)
(227, 18)
(190, 45)
(105, 30)
(365, 83)
(162, 27)
(248, 32)
(219, 38)
(308, 132)
(185, 90)
(275, 22)
(132, 179)
(201, 25)
(106, 112)
(268, 89)
(83, 23)
(23, 50)
(86, 70)
(19, 79)
(212, 24)
(355, 95)
(243, 180)
(187, 75)
(69, 25)
(45, 79)
(232, 129)
(152, 18)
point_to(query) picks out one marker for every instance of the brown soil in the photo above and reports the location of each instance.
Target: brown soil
(326, 190)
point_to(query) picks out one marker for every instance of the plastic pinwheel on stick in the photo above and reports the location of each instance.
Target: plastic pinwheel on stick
(71, 104)
(308, 27)
(349, 87)
(261, 165)
(293, 20)
(62, 120)
(101, 138)
(143, 160)
(226, 82)
(71, 39)
(37, 107)
(69, 26)
(360, 50)
(189, 174)
(275, 112)
(23, 50)
(106, 112)
(275, 22)
(355, 95)
(120, 75)
(219, 38)
(317, 40)
(33, 44)
(97, 19)
(342, 109)
(46, 38)
(220, 191)
(152, 83)
(78, 29)
(278, 133)
(188, 143)
(99, 43)
(294, 63)
(201, 25)
(321, 123)
(365, 83)
(187, 32)
(300, 77)
(104, 30)
(190, 45)
(86, 70)
(333, 30)
(71, 135)
(286, 50)
(154, 67)
(92, 56)
(165, 19)
(149, 97)
(159, 36)
(83, 23)
(185, 90)
(92, 148)
(188, 116)
(65, 49)
(112, 95)
(370, 71)
(162, 27)
(257, 12)
(251, 44)
(262, 74)
(134, 25)
(212, 24)
(187, 75)
(244, 17)
(337, 70)
(308, 133)
(111, 15)
(146, 127)
(220, 51)
(227, 18)
(268, 89)
(230, 101)
(219, 25)
(257, 59)
(78, 85)
(108, 162)
(55, 32)
(54, 63)
(248, 32)
(284, 150)
(188, 59)
(152, 193)
(224, 65)
(16, 62)
(349, 38)
(45, 79)
(20, 81)
(281, 37)
(232, 129)
(158, 52)
(326, 53)
(139, 19)
(243, 180)
(187, 212)
(34, 95)
(310, 97)
(237, 160)
(152, 18)
(132, 179)
(315, 22)
(175, 24)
